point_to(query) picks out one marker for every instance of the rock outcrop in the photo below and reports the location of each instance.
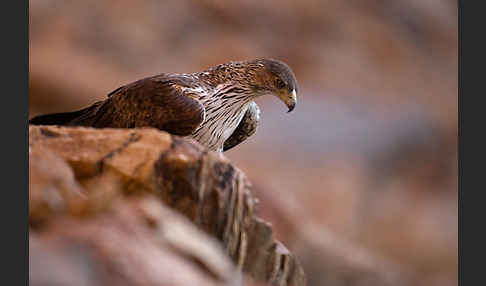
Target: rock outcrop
(105, 209)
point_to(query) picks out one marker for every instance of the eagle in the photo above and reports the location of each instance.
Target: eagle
(215, 107)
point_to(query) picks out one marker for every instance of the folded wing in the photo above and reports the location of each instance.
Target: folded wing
(245, 129)
(161, 102)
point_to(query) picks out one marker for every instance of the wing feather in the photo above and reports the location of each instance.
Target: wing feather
(245, 129)
(161, 102)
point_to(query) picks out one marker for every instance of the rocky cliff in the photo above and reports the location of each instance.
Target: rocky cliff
(142, 207)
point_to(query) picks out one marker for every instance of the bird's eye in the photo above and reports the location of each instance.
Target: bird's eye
(279, 83)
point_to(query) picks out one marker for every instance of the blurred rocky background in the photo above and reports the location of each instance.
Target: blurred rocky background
(360, 180)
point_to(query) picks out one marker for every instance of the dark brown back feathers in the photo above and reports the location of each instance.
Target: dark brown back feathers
(158, 101)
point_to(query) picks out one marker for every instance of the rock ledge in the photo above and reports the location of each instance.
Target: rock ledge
(117, 194)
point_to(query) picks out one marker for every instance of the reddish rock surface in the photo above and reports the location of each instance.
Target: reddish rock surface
(107, 192)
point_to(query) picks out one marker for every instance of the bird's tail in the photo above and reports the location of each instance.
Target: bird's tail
(66, 118)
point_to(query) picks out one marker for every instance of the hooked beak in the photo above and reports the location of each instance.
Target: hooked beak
(290, 99)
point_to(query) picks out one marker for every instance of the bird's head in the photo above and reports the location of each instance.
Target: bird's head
(259, 77)
(277, 78)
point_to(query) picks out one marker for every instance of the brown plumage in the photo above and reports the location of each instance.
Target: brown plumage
(214, 107)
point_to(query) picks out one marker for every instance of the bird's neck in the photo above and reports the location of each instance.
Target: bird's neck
(237, 74)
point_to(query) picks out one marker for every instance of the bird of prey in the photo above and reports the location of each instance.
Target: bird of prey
(215, 107)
